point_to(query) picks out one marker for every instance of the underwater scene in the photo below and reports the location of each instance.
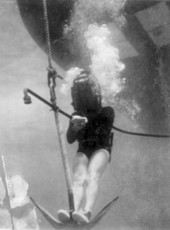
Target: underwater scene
(125, 44)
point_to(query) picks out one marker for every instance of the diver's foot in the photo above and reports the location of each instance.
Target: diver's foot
(63, 215)
(81, 217)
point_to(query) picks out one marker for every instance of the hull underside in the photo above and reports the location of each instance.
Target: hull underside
(147, 62)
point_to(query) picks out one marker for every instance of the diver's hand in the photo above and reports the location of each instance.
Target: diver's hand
(78, 122)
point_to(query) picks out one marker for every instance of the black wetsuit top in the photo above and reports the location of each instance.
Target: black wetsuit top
(96, 134)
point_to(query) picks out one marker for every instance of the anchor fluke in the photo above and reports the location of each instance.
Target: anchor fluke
(72, 224)
(26, 98)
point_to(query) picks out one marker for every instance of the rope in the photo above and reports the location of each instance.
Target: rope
(47, 33)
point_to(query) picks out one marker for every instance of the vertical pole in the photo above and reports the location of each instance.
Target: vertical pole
(7, 192)
(65, 161)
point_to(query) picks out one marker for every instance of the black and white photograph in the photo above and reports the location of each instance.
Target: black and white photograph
(85, 114)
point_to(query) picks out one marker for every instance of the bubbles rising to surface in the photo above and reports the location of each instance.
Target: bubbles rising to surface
(105, 63)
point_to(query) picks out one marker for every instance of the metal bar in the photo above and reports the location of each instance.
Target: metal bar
(47, 103)
(7, 192)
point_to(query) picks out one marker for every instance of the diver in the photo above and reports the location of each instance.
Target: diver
(91, 126)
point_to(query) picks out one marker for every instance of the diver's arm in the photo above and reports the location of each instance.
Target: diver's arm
(76, 124)
(71, 134)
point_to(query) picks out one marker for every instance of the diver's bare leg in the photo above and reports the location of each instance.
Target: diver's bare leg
(80, 164)
(97, 165)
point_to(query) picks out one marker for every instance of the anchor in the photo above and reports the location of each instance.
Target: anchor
(51, 80)
(56, 224)
(72, 224)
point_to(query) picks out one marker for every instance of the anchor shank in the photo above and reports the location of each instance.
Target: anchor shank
(51, 79)
(65, 161)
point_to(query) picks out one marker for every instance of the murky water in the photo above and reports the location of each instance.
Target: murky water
(139, 170)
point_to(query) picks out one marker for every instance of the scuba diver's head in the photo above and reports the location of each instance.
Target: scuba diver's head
(86, 94)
